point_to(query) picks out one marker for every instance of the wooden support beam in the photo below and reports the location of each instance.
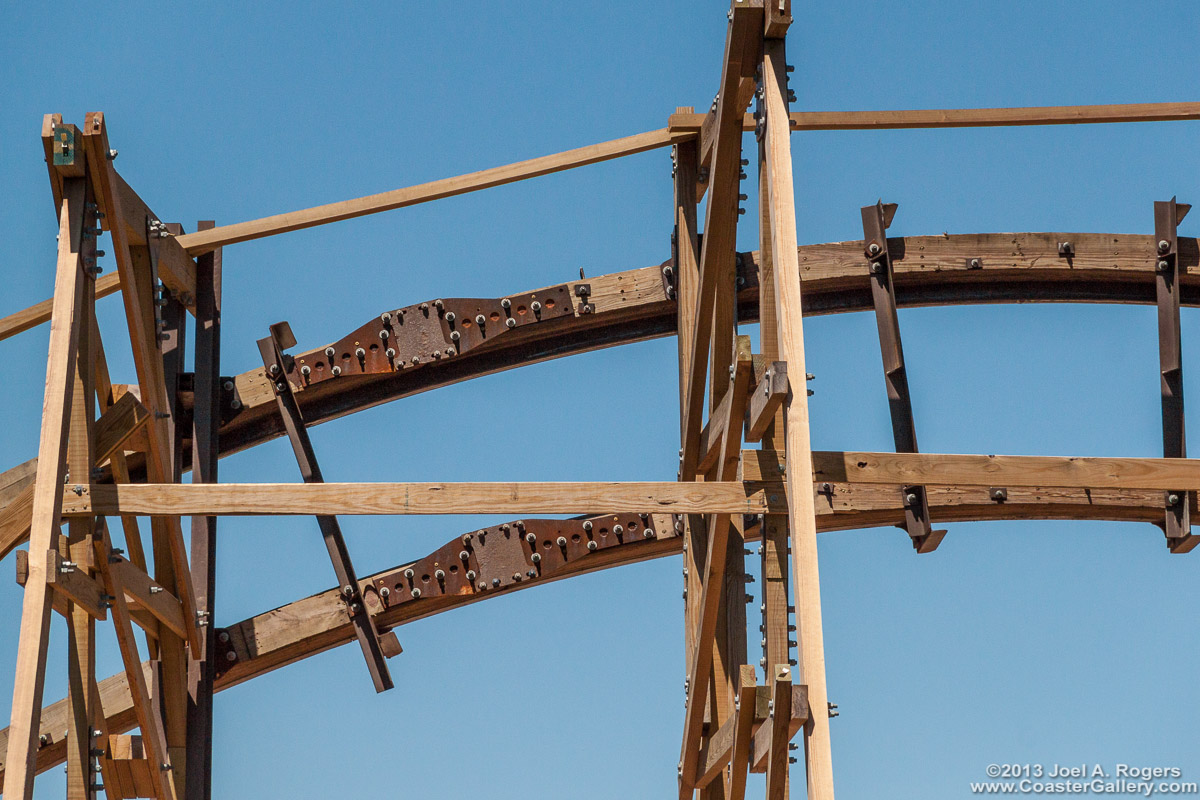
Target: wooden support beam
(145, 708)
(720, 222)
(35, 315)
(780, 733)
(149, 595)
(801, 507)
(766, 398)
(713, 579)
(252, 499)
(203, 241)
(122, 420)
(964, 117)
(47, 497)
(147, 357)
(74, 584)
(206, 419)
(743, 732)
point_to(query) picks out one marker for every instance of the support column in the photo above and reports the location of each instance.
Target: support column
(206, 419)
(798, 448)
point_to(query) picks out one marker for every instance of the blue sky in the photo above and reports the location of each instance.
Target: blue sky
(1016, 642)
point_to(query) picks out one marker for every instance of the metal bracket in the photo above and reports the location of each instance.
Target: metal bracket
(414, 336)
(507, 555)
(1167, 216)
(275, 363)
(876, 219)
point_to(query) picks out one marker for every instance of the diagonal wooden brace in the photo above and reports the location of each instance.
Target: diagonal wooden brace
(271, 348)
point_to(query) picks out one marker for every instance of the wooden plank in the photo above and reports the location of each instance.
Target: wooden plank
(1004, 471)
(203, 241)
(75, 585)
(742, 735)
(761, 746)
(720, 222)
(206, 422)
(145, 709)
(965, 117)
(777, 746)
(801, 506)
(47, 497)
(35, 315)
(251, 499)
(147, 357)
(713, 583)
(314, 624)
(765, 400)
(122, 419)
(149, 595)
(176, 268)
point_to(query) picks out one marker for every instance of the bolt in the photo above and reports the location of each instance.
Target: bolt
(911, 499)
(112, 155)
(505, 303)
(384, 334)
(587, 525)
(975, 263)
(561, 541)
(454, 336)
(348, 590)
(536, 558)
(464, 555)
(408, 573)
(532, 573)
(531, 538)
(230, 656)
(510, 322)
(358, 351)
(384, 592)
(592, 546)
(873, 249)
(495, 581)
(223, 637)
(648, 533)
(438, 304)
(336, 371)
(618, 530)
(479, 320)
(1163, 246)
(1163, 265)
(329, 352)
(1172, 499)
(424, 306)
(471, 576)
(516, 576)
(440, 575)
(467, 538)
(385, 318)
(416, 593)
(390, 352)
(536, 306)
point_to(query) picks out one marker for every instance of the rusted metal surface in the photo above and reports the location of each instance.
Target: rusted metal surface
(875, 220)
(1167, 216)
(512, 553)
(271, 348)
(415, 336)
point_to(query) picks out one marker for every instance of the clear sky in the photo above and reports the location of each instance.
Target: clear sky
(1035, 642)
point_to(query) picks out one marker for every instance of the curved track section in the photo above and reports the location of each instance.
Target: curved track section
(631, 306)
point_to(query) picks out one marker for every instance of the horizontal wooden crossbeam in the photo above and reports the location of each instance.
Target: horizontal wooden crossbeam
(249, 499)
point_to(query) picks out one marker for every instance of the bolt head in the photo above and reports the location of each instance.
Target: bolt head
(1163, 246)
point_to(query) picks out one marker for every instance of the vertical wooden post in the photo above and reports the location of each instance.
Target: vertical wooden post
(774, 546)
(206, 416)
(47, 497)
(79, 546)
(801, 508)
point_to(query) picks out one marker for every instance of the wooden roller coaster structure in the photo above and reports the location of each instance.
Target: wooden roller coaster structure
(117, 450)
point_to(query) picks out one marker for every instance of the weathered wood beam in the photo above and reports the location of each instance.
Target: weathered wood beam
(203, 241)
(801, 510)
(149, 595)
(47, 496)
(251, 499)
(743, 735)
(720, 221)
(314, 624)
(120, 421)
(964, 117)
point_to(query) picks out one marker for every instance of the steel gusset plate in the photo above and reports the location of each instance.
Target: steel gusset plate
(411, 337)
(495, 558)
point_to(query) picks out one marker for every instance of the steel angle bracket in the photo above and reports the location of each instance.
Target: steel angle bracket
(426, 333)
(275, 362)
(1167, 216)
(876, 219)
